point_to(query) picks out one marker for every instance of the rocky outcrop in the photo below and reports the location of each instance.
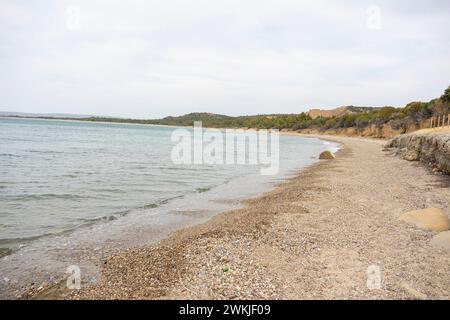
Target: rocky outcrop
(431, 148)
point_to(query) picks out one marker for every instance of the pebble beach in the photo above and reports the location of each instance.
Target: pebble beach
(316, 236)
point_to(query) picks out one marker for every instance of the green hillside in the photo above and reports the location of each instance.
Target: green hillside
(411, 115)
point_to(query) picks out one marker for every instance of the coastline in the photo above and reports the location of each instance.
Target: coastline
(38, 264)
(312, 237)
(284, 132)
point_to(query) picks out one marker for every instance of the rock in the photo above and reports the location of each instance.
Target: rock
(5, 252)
(432, 219)
(431, 148)
(442, 241)
(326, 155)
(411, 155)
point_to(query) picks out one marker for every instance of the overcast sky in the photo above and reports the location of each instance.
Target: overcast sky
(148, 59)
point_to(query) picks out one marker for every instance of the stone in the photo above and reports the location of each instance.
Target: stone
(442, 241)
(432, 219)
(326, 155)
(411, 155)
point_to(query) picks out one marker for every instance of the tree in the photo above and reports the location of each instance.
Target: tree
(446, 96)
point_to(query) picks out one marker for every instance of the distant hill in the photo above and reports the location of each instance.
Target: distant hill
(188, 119)
(213, 120)
(42, 115)
(378, 121)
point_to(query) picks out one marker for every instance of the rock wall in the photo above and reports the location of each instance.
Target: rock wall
(431, 148)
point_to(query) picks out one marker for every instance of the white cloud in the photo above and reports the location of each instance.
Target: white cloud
(154, 58)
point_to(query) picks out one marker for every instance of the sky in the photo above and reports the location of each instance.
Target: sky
(150, 59)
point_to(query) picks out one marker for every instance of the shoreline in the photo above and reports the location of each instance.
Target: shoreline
(282, 132)
(20, 287)
(312, 237)
(59, 291)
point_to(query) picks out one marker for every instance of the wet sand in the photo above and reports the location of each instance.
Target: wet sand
(313, 237)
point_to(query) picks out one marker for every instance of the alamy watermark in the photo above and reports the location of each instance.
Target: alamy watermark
(229, 146)
(373, 277)
(373, 20)
(74, 280)
(73, 18)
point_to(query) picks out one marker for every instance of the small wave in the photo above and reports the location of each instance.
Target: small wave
(139, 167)
(201, 190)
(46, 196)
(150, 206)
(9, 246)
(178, 168)
(111, 217)
(191, 213)
(109, 190)
(63, 196)
(69, 176)
(45, 151)
(10, 155)
(160, 202)
(165, 201)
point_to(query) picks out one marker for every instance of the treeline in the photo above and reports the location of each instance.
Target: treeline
(398, 118)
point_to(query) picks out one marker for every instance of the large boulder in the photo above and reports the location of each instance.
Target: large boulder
(327, 155)
(442, 241)
(432, 219)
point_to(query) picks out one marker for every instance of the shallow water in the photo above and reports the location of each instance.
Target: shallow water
(71, 191)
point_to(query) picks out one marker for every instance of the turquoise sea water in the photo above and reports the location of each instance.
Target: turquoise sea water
(88, 184)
